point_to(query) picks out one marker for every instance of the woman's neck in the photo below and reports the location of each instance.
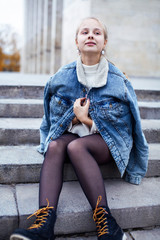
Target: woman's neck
(90, 59)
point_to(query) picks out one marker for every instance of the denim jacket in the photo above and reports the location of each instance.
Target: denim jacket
(114, 110)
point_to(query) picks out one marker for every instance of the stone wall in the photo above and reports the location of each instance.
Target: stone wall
(134, 34)
(133, 29)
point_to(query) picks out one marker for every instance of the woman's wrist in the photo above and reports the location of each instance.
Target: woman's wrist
(87, 121)
(75, 121)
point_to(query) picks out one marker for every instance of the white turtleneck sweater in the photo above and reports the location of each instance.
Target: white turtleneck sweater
(90, 76)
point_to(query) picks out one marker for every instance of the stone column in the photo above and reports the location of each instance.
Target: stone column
(24, 50)
(40, 16)
(53, 36)
(43, 35)
(34, 36)
(47, 36)
(58, 37)
(28, 35)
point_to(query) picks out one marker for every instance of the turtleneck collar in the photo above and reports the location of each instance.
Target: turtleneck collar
(100, 73)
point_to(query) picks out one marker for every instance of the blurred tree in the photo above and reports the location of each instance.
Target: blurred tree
(9, 52)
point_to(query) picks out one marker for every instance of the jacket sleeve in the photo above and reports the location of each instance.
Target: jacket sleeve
(138, 161)
(45, 125)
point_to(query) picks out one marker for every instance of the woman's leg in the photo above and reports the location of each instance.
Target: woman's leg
(86, 154)
(51, 177)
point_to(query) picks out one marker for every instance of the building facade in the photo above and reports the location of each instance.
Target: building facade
(133, 30)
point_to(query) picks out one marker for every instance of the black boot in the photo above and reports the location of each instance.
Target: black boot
(41, 229)
(107, 227)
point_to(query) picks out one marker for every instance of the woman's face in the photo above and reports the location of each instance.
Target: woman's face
(90, 38)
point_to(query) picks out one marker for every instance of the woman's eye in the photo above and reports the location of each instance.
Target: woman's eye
(97, 33)
(84, 32)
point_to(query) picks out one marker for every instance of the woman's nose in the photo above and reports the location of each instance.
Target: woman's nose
(90, 36)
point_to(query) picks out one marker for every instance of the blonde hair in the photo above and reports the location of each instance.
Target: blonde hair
(102, 24)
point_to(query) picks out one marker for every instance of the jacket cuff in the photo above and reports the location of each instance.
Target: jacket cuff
(40, 148)
(132, 179)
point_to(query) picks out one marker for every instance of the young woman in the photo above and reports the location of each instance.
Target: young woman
(91, 117)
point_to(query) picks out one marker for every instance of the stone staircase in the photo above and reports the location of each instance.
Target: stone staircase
(135, 207)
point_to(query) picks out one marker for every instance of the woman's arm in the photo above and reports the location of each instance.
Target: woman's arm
(45, 125)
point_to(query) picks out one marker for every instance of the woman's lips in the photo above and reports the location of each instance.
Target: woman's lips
(90, 43)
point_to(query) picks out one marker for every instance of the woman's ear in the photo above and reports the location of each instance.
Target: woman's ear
(105, 42)
(76, 41)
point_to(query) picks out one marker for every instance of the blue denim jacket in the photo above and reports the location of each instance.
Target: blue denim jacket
(114, 110)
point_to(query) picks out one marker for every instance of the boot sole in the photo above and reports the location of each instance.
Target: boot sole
(18, 237)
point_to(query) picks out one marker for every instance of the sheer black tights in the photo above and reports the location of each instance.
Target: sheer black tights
(51, 177)
(85, 154)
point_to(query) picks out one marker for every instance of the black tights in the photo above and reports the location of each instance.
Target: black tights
(85, 154)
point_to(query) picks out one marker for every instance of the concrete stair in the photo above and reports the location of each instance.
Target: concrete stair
(15, 131)
(33, 108)
(135, 207)
(22, 164)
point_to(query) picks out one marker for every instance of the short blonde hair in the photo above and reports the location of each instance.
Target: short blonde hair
(102, 24)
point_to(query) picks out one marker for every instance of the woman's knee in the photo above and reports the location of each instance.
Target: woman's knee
(55, 147)
(75, 147)
(52, 146)
(71, 147)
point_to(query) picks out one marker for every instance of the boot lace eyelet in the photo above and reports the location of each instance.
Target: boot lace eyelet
(41, 216)
(100, 219)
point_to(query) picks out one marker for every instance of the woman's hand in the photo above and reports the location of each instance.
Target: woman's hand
(80, 108)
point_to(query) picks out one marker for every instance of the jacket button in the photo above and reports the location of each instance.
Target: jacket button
(84, 89)
(110, 105)
(59, 102)
(51, 138)
(61, 125)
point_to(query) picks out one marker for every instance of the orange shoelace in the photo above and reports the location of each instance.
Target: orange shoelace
(101, 221)
(40, 219)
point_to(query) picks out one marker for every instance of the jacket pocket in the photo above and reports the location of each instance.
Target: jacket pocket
(58, 106)
(117, 113)
(110, 105)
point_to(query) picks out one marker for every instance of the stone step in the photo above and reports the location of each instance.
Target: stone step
(151, 129)
(150, 234)
(146, 88)
(32, 92)
(15, 131)
(143, 234)
(29, 92)
(33, 108)
(146, 234)
(18, 85)
(132, 206)
(149, 110)
(21, 108)
(22, 164)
